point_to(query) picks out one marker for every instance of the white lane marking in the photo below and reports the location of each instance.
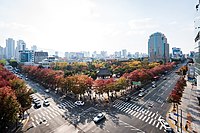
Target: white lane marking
(141, 116)
(144, 118)
(150, 121)
(138, 115)
(32, 119)
(147, 112)
(135, 113)
(147, 119)
(51, 115)
(39, 115)
(37, 122)
(156, 116)
(42, 113)
(154, 122)
(153, 114)
(48, 117)
(161, 127)
(150, 113)
(35, 117)
(157, 124)
(33, 124)
(162, 104)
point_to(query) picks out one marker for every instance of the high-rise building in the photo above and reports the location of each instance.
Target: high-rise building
(1, 52)
(124, 53)
(10, 48)
(21, 45)
(158, 48)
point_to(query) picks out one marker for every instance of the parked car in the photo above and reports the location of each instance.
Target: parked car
(141, 94)
(46, 103)
(99, 117)
(38, 104)
(47, 90)
(142, 90)
(79, 103)
(154, 85)
(164, 78)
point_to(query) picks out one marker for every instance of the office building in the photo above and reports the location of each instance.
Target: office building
(21, 45)
(26, 57)
(124, 53)
(1, 52)
(39, 56)
(10, 48)
(34, 48)
(158, 48)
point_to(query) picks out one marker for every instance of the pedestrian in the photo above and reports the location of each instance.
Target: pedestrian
(186, 127)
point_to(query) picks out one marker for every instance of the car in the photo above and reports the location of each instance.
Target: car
(47, 90)
(26, 78)
(37, 105)
(141, 94)
(35, 100)
(164, 78)
(99, 117)
(154, 85)
(135, 99)
(142, 90)
(165, 125)
(79, 103)
(127, 99)
(46, 103)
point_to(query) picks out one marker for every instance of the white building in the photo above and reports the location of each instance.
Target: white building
(21, 45)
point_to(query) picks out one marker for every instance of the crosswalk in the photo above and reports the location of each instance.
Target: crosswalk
(46, 115)
(139, 112)
(66, 105)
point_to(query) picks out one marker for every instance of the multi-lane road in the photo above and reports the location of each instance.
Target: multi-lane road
(63, 116)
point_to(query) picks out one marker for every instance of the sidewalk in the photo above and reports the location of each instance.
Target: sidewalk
(190, 112)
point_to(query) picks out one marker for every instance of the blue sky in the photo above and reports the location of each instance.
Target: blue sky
(101, 25)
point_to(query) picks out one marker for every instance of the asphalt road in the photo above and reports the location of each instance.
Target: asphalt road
(122, 117)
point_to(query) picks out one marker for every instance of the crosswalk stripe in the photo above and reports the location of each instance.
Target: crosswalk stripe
(39, 115)
(33, 124)
(135, 113)
(161, 127)
(150, 121)
(154, 122)
(42, 113)
(32, 119)
(35, 116)
(138, 115)
(57, 113)
(157, 124)
(37, 122)
(54, 114)
(49, 111)
(147, 119)
(159, 117)
(149, 113)
(141, 116)
(138, 109)
(156, 116)
(51, 115)
(130, 112)
(153, 114)
(144, 118)
(48, 117)
(45, 112)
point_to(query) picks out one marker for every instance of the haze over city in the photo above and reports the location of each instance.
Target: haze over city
(94, 25)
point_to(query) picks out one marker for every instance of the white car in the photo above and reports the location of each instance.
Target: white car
(141, 94)
(47, 90)
(154, 85)
(46, 103)
(79, 103)
(99, 117)
(165, 125)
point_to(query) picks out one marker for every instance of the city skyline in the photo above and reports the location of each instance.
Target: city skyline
(97, 25)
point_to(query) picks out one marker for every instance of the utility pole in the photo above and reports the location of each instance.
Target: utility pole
(177, 118)
(181, 122)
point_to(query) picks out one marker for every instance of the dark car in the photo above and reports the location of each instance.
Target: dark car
(37, 105)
